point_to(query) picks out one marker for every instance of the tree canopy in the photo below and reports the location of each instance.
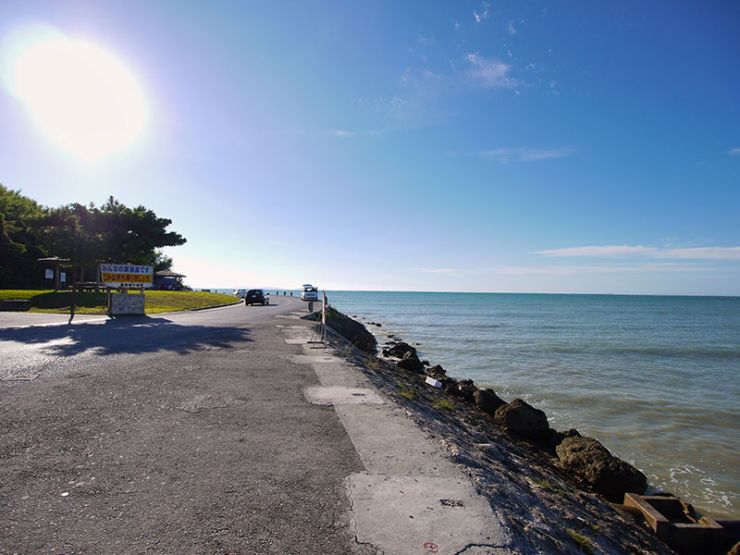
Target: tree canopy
(85, 234)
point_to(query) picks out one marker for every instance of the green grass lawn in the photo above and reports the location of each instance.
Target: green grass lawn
(94, 303)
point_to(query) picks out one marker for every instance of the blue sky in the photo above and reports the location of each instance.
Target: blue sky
(451, 146)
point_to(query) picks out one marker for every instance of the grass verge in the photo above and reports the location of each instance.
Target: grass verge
(582, 541)
(408, 393)
(443, 404)
(94, 303)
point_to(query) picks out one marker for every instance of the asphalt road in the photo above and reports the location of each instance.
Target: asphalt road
(179, 433)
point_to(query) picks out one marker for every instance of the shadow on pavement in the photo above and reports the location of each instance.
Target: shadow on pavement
(129, 335)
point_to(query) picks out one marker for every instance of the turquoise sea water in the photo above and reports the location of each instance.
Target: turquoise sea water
(656, 379)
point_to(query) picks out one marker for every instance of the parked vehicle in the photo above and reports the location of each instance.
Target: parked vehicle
(309, 293)
(256, 296)
(240, 293)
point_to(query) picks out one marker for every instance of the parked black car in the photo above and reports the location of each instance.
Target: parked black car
(256, 296)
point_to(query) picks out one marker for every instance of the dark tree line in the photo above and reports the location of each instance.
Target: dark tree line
(85, 234)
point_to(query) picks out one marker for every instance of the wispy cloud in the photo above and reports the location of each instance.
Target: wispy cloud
(524, 154)
(423, 40)
(691, 253)
(343, 134)
(605, 250)
(489, 73)
(510, 28)
(701, 253)
(439, 270)
(601, 269)
(735, 151)
(483, 13)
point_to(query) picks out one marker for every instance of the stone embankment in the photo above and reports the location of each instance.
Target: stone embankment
(561, 490)
(588, 460)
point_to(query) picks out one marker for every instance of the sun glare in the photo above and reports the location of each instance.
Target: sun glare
(81, 97)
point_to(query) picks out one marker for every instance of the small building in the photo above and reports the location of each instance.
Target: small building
(54, 275)
(168, 280)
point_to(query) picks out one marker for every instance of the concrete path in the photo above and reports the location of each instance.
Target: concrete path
(409, 498)
(219, 431)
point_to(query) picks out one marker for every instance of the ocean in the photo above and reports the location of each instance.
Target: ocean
(655, 379)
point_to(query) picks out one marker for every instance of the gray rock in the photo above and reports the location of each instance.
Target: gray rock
(594, 464)
(399, 350)
(520, 418)
(466, 390)
(436, 372)
(449, 385)
(411, 362)
(487, 400)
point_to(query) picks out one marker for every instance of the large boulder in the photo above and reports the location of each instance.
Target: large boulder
(399, 350)
(465, 389)
(449, 385)
(411, 362)
(436, 372)
(523, 419)
(487, 400)
(594, 464)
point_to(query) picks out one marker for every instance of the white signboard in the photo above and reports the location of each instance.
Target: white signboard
(49, 274)
(63, 277)
(121, 303)
(126, 275)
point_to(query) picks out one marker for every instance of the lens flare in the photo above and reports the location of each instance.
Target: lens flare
(80, 96)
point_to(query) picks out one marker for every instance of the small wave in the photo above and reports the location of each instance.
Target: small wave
(678, 352)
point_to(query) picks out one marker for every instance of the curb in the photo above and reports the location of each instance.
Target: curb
(207, 307)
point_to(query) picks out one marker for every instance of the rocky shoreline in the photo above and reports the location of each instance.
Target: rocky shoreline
(561, 491)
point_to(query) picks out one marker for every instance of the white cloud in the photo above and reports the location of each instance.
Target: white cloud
(483, 14)
(600, 269)
(690, 253)
(489, 72)
(701, 253)
(524, 154)
(511, 28)
(342, 133)
(606, 250)
(735, 151)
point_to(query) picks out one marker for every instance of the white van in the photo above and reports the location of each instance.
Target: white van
(309, 293)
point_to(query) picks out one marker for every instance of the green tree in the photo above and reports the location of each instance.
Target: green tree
(20, 244)
(135, 234)
(112, 233)
(87, 235)
(145, 233)
(11, 256)
(161, 261)
(70, 232)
